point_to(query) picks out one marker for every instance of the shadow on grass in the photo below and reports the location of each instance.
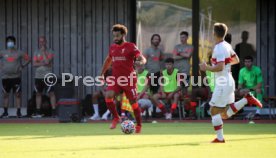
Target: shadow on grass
(44, 131)
(143, 146)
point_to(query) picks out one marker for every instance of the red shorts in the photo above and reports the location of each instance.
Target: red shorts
(130, 91)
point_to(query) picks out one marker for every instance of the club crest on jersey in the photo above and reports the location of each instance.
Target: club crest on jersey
(123, 51)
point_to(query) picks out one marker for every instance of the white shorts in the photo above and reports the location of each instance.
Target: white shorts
(223, 95)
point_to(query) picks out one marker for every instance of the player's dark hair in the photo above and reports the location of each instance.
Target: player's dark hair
(119, 28)
(10, 38)
(228, 38)
(220, 29)
(184, 33)
(169, 60)
(157, 35)
(248, 58)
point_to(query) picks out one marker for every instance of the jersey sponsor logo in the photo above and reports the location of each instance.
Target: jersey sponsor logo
(11, 58)
(120, 58)
(155, 58)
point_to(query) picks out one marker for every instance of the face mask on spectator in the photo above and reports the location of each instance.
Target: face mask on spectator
(10, 44)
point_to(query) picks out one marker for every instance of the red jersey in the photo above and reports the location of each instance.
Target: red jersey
(123, 58)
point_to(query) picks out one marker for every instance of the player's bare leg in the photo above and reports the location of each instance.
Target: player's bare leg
(235, 107)
(218, 115)
(155, 100)
(174, 103)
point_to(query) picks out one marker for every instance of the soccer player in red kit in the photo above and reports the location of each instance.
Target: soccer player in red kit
(122, 56)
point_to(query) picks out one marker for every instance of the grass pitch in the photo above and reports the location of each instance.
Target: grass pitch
(161, 140)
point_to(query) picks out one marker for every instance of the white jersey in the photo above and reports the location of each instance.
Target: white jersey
(223, 52)
(224, 82)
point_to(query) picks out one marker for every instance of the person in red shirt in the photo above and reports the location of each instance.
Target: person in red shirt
(122, 56)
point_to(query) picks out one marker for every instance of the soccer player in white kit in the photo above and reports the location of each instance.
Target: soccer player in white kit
(222, 105)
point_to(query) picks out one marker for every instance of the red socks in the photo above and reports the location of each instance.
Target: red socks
(173, 107)
(162, 108)
(137, 113)
(112, 108)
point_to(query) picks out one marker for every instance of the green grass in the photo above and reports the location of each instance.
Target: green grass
(162, 140)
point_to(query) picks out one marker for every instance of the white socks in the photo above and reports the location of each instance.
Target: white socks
(217, 123)
(96, 109)
(105, 115)
(236, 107)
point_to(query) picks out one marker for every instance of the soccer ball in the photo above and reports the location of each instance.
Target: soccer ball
(127, 127)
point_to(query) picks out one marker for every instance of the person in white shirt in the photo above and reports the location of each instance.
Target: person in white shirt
(222, 105)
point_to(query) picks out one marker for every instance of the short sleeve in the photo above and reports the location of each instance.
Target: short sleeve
(190, 49)
(259, 76)
(26, 57)
(146, 53)
(241, 80)
(232, 52)
(35, 57)
(219, 55)
(50, 55)
(135, 51)
(175, 50)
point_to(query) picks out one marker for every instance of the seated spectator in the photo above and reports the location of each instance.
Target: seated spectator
(143, 88)
(250, 78)
(169, 90)
(95, 97)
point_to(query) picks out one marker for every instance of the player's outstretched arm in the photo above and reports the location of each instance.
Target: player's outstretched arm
(106, 65)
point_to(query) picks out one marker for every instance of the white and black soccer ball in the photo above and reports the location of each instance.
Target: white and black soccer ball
(128, 127)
